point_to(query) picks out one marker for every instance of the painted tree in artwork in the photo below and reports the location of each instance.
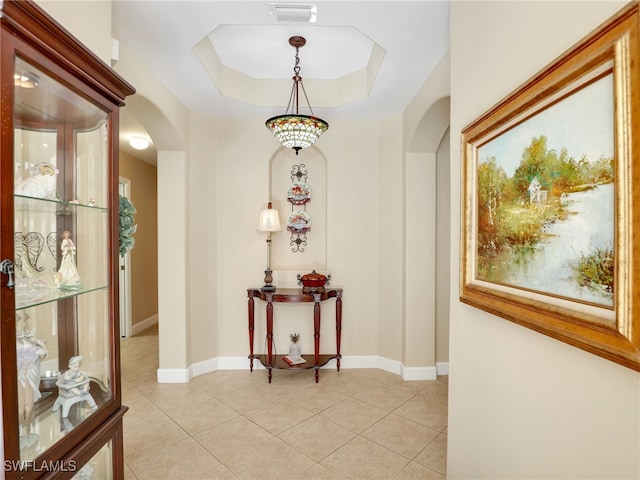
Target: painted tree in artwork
(558, 172)
(537, 162)
(492, 188)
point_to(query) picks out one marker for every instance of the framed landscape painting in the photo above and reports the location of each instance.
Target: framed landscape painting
(550, 201)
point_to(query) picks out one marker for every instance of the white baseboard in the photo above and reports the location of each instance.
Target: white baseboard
(177, 375)
(419, 373)
(211, 365)
(393, 366)
(144, 324)
(173, 375)
(442, 368)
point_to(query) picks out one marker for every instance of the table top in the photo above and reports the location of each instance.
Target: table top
(294, 295)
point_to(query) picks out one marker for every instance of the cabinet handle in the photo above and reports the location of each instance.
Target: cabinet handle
(6, 267)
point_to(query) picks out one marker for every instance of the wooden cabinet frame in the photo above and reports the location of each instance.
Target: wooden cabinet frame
(27, 31)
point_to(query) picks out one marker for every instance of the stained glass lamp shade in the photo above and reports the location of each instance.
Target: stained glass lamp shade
(292, 129)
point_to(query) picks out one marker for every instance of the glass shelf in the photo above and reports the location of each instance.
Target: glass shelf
(53, 206)
(28, 296)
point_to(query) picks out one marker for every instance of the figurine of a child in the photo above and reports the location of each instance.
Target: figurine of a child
(75, 380)
(73, 387)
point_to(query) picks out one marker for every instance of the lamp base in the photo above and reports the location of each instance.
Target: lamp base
(268, 278)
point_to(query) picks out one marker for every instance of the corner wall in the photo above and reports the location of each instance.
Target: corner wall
(167, 122)
(73, 15)
(443, 252)
(202, 259)
(144, 256)
(426, 236)
(523, 405)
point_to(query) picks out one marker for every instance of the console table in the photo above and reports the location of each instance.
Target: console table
(294, 295)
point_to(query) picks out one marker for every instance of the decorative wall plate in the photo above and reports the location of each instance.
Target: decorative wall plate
(299, 221)
(299, 193)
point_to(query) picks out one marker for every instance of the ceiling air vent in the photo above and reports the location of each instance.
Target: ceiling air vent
(289, 12)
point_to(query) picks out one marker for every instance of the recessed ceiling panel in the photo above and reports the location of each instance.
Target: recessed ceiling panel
(255, 63)
(403, 42)
(263, 51)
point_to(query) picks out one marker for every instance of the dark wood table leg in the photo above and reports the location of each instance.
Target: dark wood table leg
(338, 329)
(269, 337)
(316, 335)
(251, 331)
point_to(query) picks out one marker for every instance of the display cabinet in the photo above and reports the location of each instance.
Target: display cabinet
(61, 401)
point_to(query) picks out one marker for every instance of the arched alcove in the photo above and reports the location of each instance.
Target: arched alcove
(426, 233)
(432, 127)
(156, 123)
(311, 168)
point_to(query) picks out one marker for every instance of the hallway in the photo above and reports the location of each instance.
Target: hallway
(359, 423)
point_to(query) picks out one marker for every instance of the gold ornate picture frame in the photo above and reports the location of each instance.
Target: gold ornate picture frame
(551, 198)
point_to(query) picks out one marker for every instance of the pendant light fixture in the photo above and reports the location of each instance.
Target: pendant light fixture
(292, 129)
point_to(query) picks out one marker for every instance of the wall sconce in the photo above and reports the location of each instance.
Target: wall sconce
(269, 221)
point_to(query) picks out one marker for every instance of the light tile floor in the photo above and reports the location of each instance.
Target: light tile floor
(357, 424)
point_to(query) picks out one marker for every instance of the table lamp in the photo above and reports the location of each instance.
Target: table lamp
(269, 222)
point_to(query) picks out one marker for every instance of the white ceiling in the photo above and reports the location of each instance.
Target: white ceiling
(413, 36)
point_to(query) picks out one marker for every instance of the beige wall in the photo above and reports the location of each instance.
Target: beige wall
(175, 324)
(167, 122)
(89, 21)
(365, 237)
(443, 248)
(425, 123)
(523, 405)
(213, 186)
(144, 255)
(204, 278)
(242, 155)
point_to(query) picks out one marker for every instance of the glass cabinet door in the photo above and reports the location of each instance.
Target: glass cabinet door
(100, 467)
(61, 258)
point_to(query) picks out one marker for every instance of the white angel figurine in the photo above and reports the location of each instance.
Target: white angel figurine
(67, 275)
